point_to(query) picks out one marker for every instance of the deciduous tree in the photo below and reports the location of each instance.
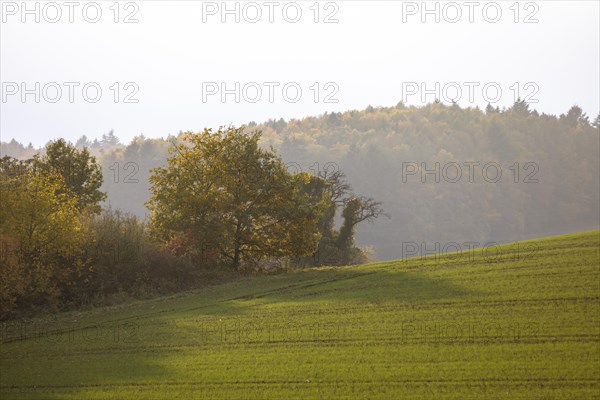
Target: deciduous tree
(81, 173)
(232, 196)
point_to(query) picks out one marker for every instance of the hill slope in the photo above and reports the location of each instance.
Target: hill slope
(517, 321)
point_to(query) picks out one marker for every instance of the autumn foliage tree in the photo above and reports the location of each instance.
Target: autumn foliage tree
(41, 229)
(45, 203)
(226, 195)
(79, 170)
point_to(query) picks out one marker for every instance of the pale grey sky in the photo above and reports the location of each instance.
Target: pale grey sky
(179, 55)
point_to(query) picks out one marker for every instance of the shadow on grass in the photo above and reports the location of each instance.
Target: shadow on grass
(336, 287)
(193, 338)
(153, 348)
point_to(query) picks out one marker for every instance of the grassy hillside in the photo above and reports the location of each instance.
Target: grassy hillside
(521, 321)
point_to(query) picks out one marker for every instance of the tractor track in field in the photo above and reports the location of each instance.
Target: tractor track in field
(323, 342)
(380, 308)
(470, 382)
(529, 331)
(279, 290)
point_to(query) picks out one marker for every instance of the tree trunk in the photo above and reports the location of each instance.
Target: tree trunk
(237, 246)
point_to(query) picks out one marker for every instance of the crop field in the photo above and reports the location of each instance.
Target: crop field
(518, 321)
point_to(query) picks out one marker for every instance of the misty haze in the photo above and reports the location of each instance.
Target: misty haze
(327, 199)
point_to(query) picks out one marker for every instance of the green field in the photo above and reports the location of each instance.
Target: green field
(521, 321)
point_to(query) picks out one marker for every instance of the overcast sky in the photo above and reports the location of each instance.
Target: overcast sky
(167, 71)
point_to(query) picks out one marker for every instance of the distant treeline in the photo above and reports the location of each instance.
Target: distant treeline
(444, 174)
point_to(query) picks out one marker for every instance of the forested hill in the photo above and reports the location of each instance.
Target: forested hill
(446, 175)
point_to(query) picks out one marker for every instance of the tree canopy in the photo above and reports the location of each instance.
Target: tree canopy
(233, 198)
(81, 174)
